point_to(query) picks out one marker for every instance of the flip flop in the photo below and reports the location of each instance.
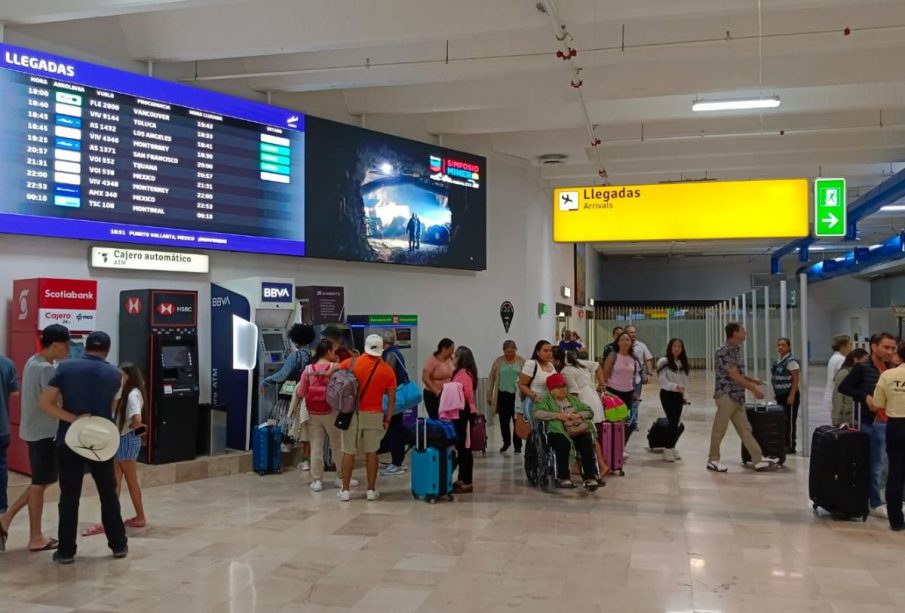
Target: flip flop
(134, 523)
(3, 536)
(93, 530)
(50, 546)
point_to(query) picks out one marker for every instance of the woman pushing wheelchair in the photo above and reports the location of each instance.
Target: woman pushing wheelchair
(569, 423)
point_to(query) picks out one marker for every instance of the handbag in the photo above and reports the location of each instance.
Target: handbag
(522, 427)
(577, 428)
(613, 407)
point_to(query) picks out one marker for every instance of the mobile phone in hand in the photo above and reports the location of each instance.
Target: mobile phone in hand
(140, 430)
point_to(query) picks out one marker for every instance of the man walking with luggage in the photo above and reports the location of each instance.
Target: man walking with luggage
(88, 385)
(645, 361)
(785, 375)
(729, 394)
(860, 385)
(375, 378)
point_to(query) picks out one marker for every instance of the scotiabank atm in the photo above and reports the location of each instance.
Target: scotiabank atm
(36, 304)
(158, 332)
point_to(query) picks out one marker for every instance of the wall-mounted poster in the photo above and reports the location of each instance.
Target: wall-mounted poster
(581, 273)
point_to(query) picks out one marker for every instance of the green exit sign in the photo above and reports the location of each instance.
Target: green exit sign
(829, 207)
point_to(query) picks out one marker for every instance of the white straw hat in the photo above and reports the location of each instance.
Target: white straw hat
(95, 438)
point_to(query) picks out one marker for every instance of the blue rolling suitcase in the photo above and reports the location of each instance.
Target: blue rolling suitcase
(432, 468)
(265, 449)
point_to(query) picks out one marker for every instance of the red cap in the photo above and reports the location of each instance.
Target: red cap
(555, 380)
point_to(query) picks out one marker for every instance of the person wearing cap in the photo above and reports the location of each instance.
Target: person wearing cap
(569, 422)
(375, 379)
(38, 429)
(86, 386)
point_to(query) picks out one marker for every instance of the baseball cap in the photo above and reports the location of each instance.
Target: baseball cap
(54, 333)
(374, 345)
(98, 341)
(555, 380)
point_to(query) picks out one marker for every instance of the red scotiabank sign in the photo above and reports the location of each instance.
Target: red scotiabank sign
(69, 302)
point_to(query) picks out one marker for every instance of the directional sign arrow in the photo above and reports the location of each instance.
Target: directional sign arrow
(831, 221)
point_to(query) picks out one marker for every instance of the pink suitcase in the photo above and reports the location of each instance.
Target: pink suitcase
(612, 443)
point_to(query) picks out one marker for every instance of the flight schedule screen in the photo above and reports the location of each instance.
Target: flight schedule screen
(96, 153)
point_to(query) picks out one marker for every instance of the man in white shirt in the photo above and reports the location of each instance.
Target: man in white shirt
(645, 360)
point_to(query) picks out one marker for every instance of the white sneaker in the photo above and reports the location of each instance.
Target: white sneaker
(316, 485)
(304, 465)
(717, 467)
(675, 454)
(392, 470)
(765, 464)
(880, 512)
(339, 483)
(372, 495)
(669, 455)
(344, 496)
(625, 456)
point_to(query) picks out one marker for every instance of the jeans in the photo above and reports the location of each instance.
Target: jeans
(72, 472)
(394, 440)
(584, 447)
(728, 410)
(877, 432)
(895, 452)
(791, 411)
(673, 403)
(4, 472)
(632, 424)
(464, 457)
(505, 406)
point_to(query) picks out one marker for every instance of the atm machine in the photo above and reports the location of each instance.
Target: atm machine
(37, 303)
(249, 320)
(406, 327)
(158, 332)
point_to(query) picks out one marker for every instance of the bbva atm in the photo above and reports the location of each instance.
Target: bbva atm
(249, 319)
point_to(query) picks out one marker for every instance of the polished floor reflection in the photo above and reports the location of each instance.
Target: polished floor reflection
(669, 538)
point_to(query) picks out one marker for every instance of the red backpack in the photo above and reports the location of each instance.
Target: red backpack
(316, 395)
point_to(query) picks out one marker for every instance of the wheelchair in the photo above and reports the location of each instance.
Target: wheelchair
(540, 459)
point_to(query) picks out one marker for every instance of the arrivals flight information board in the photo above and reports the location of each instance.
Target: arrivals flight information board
(96, 153)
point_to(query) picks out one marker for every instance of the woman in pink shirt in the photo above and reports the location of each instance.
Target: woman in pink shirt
(619, 370)
(437, 370)
(466, 373)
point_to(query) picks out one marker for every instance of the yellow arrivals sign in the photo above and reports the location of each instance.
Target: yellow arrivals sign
(682, 211)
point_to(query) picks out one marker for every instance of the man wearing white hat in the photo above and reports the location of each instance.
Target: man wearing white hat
(88, 439)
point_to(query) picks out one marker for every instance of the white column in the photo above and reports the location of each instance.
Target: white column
(783, 310)
(804, 408)
(768, 388)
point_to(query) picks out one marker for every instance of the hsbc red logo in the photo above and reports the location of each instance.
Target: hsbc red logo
(166, 308)
(133, 305)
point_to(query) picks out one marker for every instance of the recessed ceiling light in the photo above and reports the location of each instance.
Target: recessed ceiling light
(739, 104)
(893, 207)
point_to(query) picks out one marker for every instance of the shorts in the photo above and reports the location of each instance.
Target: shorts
(364, 434)
(129, 447)
(42, 456)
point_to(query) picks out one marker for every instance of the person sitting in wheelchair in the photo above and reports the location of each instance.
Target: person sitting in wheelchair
(569, 423)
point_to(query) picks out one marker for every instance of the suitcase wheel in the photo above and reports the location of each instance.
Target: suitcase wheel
(278, 470)
(621, 473)
(450, 497)
(864, 518)
(431, 500)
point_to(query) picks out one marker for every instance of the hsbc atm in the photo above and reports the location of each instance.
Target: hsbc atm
(36, 304)
(158, 332)
(249, 319)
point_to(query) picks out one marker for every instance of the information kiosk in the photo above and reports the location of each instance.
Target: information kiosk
(249, 319)
(158, 332)
(36, 304)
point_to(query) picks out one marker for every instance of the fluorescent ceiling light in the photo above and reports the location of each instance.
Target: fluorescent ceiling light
(740, 104)
(816, 248)
(893, 207)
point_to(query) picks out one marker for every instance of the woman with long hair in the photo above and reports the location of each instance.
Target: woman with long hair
(437, 371)
(128, 417)
(672, 375)
(619, 371)
(502, 385)
(466, 373)
(532, 383)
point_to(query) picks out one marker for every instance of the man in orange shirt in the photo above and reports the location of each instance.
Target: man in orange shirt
(375, 379)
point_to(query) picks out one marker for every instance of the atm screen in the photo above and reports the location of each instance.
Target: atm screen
(404, 338)
(176, 356)
(273, 342)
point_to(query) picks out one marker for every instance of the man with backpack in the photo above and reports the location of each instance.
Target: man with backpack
(396, 436)
(374, 378)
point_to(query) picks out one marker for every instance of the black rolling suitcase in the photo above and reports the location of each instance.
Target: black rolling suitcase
(769, 425)
(839, 479)
(659, 430)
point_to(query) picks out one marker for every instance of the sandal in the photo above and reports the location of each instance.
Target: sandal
(134, 522)
(49, 546)
(94, 530)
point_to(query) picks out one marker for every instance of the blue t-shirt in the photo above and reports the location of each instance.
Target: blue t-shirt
(9, 383)
(569, 345)
(89, 384)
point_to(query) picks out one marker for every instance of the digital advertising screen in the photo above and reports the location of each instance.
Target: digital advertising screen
(90, 152)
(377, 198)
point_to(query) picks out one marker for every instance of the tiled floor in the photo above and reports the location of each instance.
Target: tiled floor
(664, 538)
